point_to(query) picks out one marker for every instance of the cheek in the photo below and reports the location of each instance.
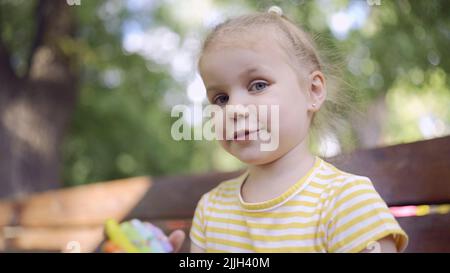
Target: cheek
(219, 121)
(285, 113)
(293, 117)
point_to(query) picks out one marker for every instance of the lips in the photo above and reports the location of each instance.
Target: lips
(243, 135)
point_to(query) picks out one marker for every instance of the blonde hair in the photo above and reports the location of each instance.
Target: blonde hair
(331, 118)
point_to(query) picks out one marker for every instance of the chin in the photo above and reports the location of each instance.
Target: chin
(256, 160)
(251, 154)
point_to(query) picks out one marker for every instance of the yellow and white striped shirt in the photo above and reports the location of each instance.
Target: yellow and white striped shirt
(327, 210)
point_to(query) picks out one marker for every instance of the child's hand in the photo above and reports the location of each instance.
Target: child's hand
(176, 239)
(135, 236)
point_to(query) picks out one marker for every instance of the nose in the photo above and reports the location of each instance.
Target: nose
(237, 106)
(237, 112)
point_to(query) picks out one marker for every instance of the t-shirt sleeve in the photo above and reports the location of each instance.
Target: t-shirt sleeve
(197, 232)
(357, 217)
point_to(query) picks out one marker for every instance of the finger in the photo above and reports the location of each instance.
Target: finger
(176, 238)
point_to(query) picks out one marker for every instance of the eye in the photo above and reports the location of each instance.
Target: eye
(220, 99)
(258, 86)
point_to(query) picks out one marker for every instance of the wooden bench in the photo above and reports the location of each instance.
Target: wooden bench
(407, 174)
(69, 220)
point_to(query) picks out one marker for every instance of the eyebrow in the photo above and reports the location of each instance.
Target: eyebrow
(249, 70)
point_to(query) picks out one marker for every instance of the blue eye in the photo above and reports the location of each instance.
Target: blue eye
(220, 99)
(259, 86)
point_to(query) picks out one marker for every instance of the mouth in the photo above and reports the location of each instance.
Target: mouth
(244, 134)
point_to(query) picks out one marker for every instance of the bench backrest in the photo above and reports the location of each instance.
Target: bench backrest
(407, 174)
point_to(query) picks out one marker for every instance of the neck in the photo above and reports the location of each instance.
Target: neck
(293, 164)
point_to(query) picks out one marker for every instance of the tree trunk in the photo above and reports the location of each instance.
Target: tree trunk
(35, 109)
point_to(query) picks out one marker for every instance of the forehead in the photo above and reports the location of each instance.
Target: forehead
(238, 55)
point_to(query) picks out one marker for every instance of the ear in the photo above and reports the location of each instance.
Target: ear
(317, 91)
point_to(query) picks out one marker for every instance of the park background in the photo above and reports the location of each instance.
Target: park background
(86, 90)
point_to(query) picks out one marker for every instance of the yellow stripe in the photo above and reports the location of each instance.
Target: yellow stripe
(227, 188)
(290, 203)
(230, 231)
(377, 237)
(312, 248)
(355, 194)
(227, 195)
(332, 167)
(243, 223)
(198, 238)
(318, 185)
(199, 216)
(235, 195)
(300, 203)
(352, 195)
(264, 214)
(230, 243)
(357, 220)
(226, 203)
(349, 239)
(196, 226)
(327, 176)
(356, 206)
(228, 191)
(309, 193)
(265, 238)
(213, 250)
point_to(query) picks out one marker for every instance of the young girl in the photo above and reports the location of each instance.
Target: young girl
(288, 200)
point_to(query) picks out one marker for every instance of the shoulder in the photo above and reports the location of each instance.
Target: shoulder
(355, 215)
(347, 192)
(339, 181)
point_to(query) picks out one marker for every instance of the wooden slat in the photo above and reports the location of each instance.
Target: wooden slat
(48, 221)
(430, 233)
(44, 239)
(176, 196)
(86, 205)
(414, 173)
(6, 212)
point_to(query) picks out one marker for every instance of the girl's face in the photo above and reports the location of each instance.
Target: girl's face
(258, 76)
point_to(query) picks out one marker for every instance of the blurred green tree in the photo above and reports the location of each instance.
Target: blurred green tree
(70, 95)
(402, 44)
(77, 106)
